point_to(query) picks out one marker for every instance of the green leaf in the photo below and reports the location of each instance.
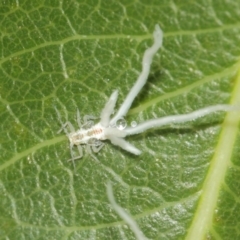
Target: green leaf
(71, 55)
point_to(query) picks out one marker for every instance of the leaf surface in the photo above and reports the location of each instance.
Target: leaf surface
(70, 55)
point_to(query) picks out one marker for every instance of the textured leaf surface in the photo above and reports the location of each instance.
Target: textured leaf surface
(73, 54)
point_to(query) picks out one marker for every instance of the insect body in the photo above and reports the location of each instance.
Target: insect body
(92, 135)
(106, 129)
(83, 136)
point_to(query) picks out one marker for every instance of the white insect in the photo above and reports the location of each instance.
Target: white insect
(91, 135)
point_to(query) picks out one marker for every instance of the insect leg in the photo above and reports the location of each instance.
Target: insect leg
(88, 118)
(71, 152)
(64, 128)
(79, 147)
(64, 125)
(97, 146)
(88, 121)
(89, 151)
(79, 119)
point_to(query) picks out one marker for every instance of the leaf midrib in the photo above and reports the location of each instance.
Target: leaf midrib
(202, 221)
